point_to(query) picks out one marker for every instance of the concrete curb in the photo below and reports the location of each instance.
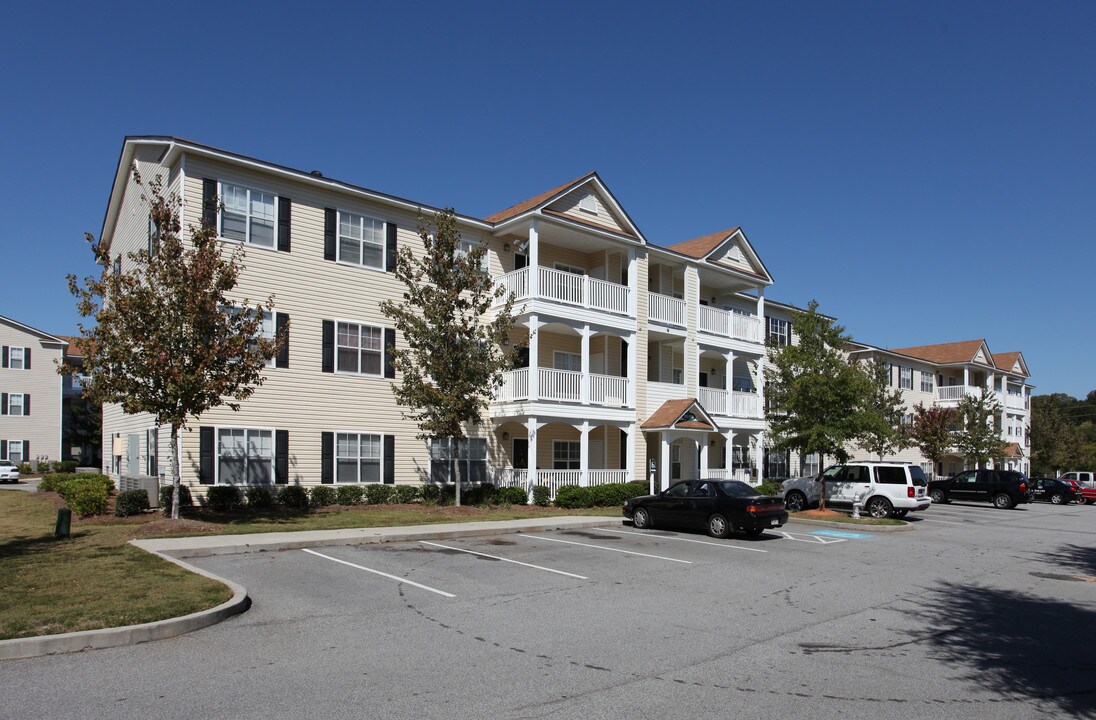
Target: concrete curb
(906, 525)
(174, 549)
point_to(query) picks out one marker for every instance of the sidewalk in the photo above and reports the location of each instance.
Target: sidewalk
(174, 549)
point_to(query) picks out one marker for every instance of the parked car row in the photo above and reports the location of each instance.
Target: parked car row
(1004, 488)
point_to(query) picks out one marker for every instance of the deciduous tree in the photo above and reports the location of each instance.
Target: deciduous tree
(881, 431)
(979, 438)
(932, 431)
(453, 359)
(165, 337)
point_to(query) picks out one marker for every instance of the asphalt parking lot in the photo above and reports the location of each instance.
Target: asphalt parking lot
(974, 611)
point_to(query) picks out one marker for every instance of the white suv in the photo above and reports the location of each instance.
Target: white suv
(882, 488)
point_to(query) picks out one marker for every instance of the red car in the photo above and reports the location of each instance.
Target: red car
(1085, 496)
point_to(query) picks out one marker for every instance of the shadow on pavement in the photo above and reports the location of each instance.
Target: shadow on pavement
(1079, 558)
(1019, 645)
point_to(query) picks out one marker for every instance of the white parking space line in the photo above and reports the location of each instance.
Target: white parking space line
(496, 557)
(817, 540)
(602, 547)
(947, 522)
(674, 537)
(382, 574)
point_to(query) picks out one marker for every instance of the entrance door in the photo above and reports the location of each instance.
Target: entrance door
(521, 453)
(597, 455)
(133, 455)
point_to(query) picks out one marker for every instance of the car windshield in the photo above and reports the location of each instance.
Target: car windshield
(736, 488)
(6, 463)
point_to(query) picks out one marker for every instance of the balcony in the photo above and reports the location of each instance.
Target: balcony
(730, 403)
(733, 325)
(1015, 402)
(566, 386)
(666, 310)
(952, 394)
(568, 289)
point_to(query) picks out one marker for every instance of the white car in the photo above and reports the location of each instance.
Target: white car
(883, 489)
(9, 471)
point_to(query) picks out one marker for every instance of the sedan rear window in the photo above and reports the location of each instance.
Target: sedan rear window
(735, 488)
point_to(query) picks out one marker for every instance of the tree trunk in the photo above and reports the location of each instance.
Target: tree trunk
(821, 482)
(457, 467)
(175, 471)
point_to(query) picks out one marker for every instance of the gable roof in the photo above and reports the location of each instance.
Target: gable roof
(44, 336)
(1014, 450)
(702, 246)
(533, 202)
(704, 249)
(670, 414)
(956, 352)
(1008, 362)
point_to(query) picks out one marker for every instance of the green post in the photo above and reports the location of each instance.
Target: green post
(64, 521)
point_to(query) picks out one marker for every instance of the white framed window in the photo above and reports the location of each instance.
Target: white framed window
(574, 270)
(927, 381)
(465, 248)
(566, 455)
(566, 361)
(361, 240)
(359, 348)
(464, 459)
(16, 357)
(248, 216)
(779, 331)
(15, 404)
(675, 462)
(245, 456)
(152, 443)
(15, 451)
(358, 457)
(905, 378)
(266, 332)
(588, 204)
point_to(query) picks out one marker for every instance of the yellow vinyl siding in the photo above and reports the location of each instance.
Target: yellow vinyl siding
(42, 427)
(569, 205)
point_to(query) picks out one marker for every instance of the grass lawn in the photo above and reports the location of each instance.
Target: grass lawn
(840, 517)
(95, 579)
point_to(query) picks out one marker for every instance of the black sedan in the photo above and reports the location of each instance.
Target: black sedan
(720, 506)
(1052, 490)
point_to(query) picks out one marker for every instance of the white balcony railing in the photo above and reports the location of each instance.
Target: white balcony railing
(955, 393)
(725, 474)
(555, 479)
(1015, 402)
(566, 386)
(735, 325)
(568, 288)
(730, 403)
(666, 309)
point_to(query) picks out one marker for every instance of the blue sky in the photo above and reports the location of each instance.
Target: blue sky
(924, 170)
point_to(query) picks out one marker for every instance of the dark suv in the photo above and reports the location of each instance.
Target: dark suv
(1004, 488)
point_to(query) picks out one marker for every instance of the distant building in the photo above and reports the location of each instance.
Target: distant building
(31, 393)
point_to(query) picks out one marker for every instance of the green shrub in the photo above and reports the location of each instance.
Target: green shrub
(24, 469)
(259, 497)
(185, 499)
(65, 484)
(322, 495)
(49, 482)
(769, 487)
(406, 493)
(68, 466)
(223, 498)
(86, 497)
(471, 495)
(573, 496)
(431, 494)
(294, 497)
(350, 494)
(377, 494)
(511, 496)
(542, 495)
(607, 495)
(57, 466)
(131, 502)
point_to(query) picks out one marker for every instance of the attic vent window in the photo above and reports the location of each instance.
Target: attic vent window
(688, 417)
(588, 204)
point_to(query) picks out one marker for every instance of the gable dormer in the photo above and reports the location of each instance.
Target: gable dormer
(586, 204)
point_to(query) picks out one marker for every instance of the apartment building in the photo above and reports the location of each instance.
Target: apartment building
(31, 393)
(636, 358)
(942, 375)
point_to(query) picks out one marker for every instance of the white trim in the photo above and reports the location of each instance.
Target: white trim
(335, 349)
(383, 243)
(556, 443)
(220, 215)
(217, 454)
(335, 459)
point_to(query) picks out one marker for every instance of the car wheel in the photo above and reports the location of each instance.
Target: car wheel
(754, 532)
(938, 496)
(718, 526)
(1056, 498)
(1002, 501)
(795, 501)
(879, 507)
(900, 513)
(641, 519)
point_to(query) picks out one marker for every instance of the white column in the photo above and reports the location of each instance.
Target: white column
(759, 458)
(664, 471)
(534, 358)
(764, 357)
(534, 259)
(633, 281)
(531, 426)
(966, 379)
(761, 314)
(630, 454)
(584, 454)
(703, 457)
(633, 381)
(584, 384)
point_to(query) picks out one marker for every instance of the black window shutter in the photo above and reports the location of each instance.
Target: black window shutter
(281, 327)
(4, 450)
(3, 403)
(26, 450)
(284, 212)
(26, 404)
(390, 248)
(281, 457)
(623, 358)
(5, 360)
(329, 346)
(389, 459)
(389, 347)
(209, 203)
(329, 233)
(205, 455)
(327, 458)
(26, 358)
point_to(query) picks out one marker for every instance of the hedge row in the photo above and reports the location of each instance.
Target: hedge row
(573, 496)
(85, 495)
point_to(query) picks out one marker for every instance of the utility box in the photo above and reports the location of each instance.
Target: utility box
(149, 483)
(64, 523)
